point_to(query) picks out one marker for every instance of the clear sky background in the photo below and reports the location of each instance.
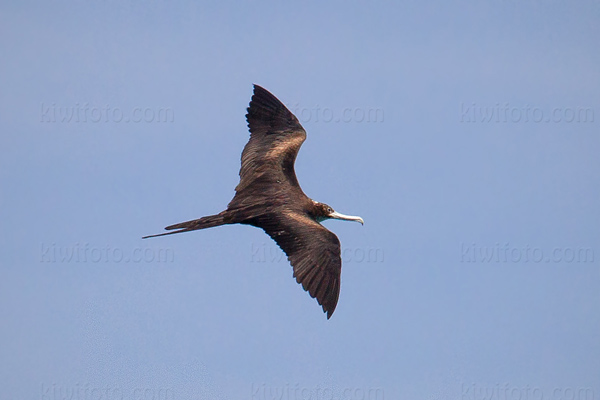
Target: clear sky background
(475, 275)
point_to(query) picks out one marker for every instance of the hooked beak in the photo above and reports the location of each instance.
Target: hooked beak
(337, 215)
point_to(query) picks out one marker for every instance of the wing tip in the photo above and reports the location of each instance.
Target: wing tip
(266, 112)
(329, 310)
(328, 298)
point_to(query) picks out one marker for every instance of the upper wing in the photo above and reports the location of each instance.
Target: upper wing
(314, 253)
(275, 138)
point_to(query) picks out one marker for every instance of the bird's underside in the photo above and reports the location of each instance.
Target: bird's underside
(268, 196)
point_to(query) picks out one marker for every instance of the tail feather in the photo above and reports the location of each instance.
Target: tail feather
(201, 223)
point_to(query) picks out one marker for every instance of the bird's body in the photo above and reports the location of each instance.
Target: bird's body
(269, 197)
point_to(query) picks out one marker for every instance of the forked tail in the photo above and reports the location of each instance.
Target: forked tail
(201, 223)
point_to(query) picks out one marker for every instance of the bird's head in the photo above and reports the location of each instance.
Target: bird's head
(323, 211)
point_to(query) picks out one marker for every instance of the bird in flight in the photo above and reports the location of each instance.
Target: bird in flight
(269, 197)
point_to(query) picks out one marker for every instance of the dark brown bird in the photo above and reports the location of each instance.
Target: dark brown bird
(269, 197)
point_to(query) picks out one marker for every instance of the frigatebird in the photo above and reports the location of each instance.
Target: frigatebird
(269, 197)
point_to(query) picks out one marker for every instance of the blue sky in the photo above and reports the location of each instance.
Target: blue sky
(475, 275)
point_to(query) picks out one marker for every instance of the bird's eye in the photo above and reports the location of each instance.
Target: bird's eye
(329, 210)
